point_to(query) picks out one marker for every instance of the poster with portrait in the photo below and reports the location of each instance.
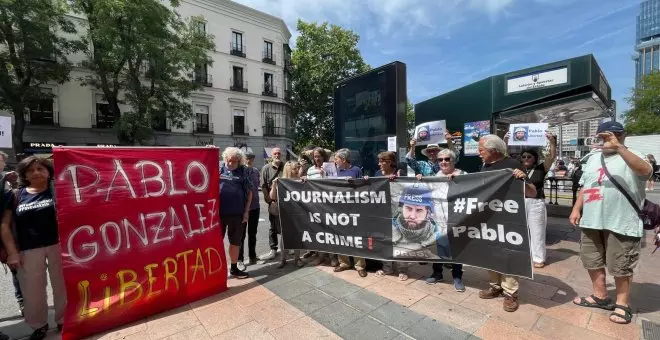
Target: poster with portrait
(431, 132)
(472, 131)
(528, 134)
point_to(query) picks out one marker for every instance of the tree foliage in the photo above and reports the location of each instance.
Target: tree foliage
(410, 119)
(325, 54)
(644, 114)
(35, 39)
(144, 55)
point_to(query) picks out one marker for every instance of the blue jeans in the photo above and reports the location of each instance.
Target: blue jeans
(456, 270)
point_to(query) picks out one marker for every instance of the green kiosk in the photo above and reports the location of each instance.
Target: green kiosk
(562, 92)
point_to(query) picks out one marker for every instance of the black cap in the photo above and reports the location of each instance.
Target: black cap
(609, 126)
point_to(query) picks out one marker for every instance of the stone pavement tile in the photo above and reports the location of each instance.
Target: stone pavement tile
(537, 303)
(444, 290)
(249, 331)
(319, 279)
(395, 315)
(123, 332)
(222, 316)
(555, 270)
(273, 313)
(412, 277)
(353, 277)
(601, 323)
(404, 295)
(367, 329)
(311, 301)
(495, 329)
(171, 322)
(524, 317)
(304, 328)
(651, 316)
(197, 332)
(235, 287)
(339, 288)
(291, 289)
(430, 329)
(336, 316)
(556, 329)
(451, 314)
(254, 295)
(364, 300)
(538, 289)
(574, 315)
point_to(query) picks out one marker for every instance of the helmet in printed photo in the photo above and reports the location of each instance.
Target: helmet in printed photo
(417, 194)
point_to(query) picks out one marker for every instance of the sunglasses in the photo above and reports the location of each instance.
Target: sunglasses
(445, 159)
(526, 156)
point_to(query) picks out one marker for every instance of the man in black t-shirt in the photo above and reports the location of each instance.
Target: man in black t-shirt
(492, 150)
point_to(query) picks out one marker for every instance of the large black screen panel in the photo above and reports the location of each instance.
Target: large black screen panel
(366, 110)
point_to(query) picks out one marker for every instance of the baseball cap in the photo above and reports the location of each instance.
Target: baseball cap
(614, 127)
(249, 154)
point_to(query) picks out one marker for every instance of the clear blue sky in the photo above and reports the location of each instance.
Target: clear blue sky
(447, 44)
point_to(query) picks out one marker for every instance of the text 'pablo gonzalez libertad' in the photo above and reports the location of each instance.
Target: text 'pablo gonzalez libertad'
(334, 219)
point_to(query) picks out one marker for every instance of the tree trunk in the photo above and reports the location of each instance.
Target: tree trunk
(19, 127)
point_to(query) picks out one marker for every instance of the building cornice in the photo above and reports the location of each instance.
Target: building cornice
(244, 13)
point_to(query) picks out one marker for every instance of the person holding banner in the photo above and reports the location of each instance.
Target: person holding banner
(346, 170)
(291, 170)
(431, 166)
(493, 152)
(447, 160)
(387, 168)
(235, 199)
(537, 216)
(31, 209)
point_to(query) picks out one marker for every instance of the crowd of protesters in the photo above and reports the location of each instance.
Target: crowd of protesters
(611, 232)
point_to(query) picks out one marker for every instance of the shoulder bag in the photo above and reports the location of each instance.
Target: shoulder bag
(649, 214)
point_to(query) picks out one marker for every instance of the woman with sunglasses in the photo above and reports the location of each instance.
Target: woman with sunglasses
(447, 163)
(537, 215)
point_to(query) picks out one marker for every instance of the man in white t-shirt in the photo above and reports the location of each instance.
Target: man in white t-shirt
(610, 227)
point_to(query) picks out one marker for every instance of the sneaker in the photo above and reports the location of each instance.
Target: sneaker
(510, 303)
(21, 309)
(241, 265)
(433, 279)
(490, 293)
(239, 274)
(40, 333)
(458, 284)
(334, 262)
(269, 255)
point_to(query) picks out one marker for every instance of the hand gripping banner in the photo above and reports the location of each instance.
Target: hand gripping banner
(139, 231)
(476, 219)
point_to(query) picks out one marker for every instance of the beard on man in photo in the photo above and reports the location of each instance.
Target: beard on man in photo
(520, 134)
(423, 133)
(415, 230)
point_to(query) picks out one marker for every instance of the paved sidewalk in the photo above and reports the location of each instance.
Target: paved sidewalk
(316, 303)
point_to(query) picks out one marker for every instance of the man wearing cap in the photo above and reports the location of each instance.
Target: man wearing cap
(431, 166)
(253, 218)
(414, 229)
(611, 230)
(270, 171)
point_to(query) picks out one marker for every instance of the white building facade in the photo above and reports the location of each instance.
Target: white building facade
(243, 101)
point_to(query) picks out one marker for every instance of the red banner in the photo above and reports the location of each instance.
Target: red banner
(140, 232)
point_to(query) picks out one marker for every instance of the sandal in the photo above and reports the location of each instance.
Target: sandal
(380, 273)
(403, 277)
(605, 304)
(627, 316)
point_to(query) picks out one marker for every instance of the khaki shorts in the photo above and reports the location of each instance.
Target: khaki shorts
(603, 248)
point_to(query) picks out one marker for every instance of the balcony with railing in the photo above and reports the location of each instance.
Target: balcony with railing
(238, 85)
(42, 118)
(287, 64)
(161, 124)
(103, 121)
(204, 79)
(269, 90)
(202, 128)
(237, 49)
(240, 130)
(277, 120)
(268, 57)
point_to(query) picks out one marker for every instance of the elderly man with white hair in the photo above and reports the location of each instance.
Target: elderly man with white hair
(493, 152)
(236, 196)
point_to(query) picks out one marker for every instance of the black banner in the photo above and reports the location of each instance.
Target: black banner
(476, 219)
